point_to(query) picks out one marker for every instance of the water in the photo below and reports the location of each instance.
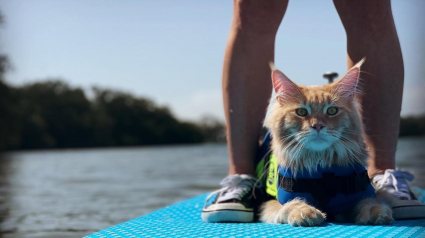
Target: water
(72, 193)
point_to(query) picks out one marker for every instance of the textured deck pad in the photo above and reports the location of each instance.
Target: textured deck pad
(184, 220)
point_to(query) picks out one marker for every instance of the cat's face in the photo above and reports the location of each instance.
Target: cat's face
(317, 121)
(317, 118)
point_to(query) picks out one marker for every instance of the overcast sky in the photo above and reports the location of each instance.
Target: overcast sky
(172, 51)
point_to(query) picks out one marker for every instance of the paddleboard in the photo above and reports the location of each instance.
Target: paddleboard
(184, 220)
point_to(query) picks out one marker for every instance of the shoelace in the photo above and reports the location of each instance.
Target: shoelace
(395, 182)
(236, 186)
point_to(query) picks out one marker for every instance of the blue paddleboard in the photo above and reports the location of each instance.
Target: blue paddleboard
(184, 220)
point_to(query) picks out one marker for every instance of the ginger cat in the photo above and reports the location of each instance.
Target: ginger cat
(320, 128)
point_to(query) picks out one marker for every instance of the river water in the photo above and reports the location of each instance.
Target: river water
(72, 193)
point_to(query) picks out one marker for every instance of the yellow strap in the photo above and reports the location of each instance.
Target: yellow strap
(271, 182)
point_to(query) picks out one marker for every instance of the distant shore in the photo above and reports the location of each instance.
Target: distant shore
(53, 115)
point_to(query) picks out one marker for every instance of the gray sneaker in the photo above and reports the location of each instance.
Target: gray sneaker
(392, 188)
(233, 202)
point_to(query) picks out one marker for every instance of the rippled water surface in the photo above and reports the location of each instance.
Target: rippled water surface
(72, 193)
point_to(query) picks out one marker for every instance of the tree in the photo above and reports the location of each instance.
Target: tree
(138, 121)
(55, 116)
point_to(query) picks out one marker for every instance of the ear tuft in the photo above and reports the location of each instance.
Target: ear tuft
(285, 89)
(272, 66)
(347, 86)
(360, 63)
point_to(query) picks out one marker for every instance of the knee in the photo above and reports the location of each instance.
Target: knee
(259, 16)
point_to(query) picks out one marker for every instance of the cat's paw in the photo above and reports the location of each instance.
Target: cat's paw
(306, 215)
(375, 214)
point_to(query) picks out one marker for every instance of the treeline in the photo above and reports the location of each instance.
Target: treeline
(52, 114)
(412, 126)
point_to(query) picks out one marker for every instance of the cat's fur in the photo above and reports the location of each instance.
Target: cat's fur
(300, 143)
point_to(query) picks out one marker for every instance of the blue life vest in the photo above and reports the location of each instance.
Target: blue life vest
(333, 190)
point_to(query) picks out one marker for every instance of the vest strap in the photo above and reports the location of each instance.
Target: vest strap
(323, 189)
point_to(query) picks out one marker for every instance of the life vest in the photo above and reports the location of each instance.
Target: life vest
(333, 190)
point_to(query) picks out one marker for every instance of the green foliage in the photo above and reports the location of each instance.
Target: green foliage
(212, 129)
(52, 114)
(125, 120)
(412, 126)
(10, 117)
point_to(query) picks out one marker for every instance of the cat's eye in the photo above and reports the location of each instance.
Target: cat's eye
(332, 111)
(302, 112)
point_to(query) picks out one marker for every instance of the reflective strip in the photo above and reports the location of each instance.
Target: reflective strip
(272, 176)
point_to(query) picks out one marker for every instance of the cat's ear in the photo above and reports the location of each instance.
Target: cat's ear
(348, 85)
(285, 89)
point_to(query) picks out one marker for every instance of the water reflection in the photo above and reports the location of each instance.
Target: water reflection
(4, 191)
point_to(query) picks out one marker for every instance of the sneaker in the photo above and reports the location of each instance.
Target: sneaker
(233, 202)
(392, 188)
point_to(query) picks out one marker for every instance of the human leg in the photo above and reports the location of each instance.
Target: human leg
(246, 77)
(371, 33)
(246, 91)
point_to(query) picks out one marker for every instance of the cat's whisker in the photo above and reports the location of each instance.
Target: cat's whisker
(294, 139)
(296, 152)
(352, 160)
(300, 147)
(260, 178)
(350, 132)
(286, 138)
(353, 145)
(351, 152)
(289, 144)
(353, 156)
(347, 157)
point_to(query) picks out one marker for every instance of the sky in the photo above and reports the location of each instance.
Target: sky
(172, 51)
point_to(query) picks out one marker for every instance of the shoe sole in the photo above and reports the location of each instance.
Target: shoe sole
(408, 212)
(227, 216)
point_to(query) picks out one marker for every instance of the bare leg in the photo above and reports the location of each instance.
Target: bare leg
(246, 77)
(371, 32)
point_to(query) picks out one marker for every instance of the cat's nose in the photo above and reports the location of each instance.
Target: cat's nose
(318, 127)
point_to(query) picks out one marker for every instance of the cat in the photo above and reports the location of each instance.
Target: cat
(319, 127)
